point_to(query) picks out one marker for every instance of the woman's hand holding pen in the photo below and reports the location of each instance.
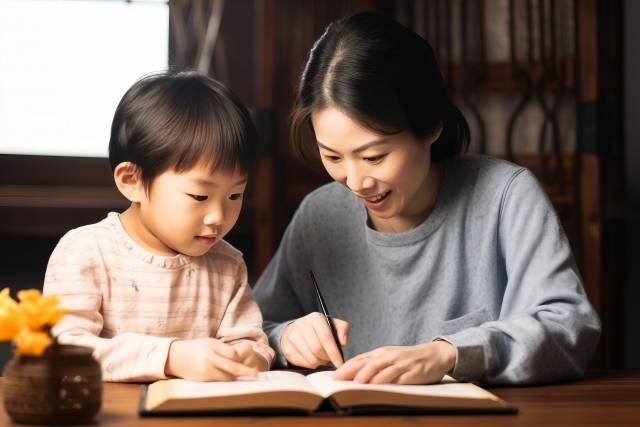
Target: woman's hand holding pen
(418, 364)
(308, 341)
(209, 359)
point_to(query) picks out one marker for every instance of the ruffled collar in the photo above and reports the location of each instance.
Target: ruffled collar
(123, 238)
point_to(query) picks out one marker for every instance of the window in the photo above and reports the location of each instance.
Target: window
(64, 65)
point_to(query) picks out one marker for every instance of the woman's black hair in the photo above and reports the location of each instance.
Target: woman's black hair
(177, 121)
(384, 77)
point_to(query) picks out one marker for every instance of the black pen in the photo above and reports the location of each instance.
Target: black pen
(326, 314)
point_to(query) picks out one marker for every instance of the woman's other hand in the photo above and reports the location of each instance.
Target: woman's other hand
(308, 341)
(418, 364)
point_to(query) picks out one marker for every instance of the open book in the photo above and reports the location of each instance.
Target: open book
(283, 391)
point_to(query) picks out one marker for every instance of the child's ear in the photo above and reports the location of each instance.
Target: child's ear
(128, 181)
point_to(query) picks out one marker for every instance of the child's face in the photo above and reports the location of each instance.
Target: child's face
(388, 173)
(189, 212)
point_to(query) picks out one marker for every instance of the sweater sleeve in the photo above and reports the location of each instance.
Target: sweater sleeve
(242, 321)
(75, 273)
(279, 303)
(547, 329)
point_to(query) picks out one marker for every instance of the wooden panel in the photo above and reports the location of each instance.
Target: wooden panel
(587, 50)
(47, 222)
(265, 52)
(265, 175)
(623, 211)
(499, 78)
(49, 196)
(264, 215)
(53, 170)
(590, 163)
(591, 229)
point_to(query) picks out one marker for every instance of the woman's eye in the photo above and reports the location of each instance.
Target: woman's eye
(235, 196)
(332, 159)
(374, 160)
(199, 198)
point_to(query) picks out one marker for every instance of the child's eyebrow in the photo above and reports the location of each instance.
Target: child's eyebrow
(206, 183)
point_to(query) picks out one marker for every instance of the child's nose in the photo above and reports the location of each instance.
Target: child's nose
(215, 217)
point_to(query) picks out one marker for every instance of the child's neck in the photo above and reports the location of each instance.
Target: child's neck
(141, 234)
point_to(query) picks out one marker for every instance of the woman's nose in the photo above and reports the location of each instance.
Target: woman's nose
(358, 180)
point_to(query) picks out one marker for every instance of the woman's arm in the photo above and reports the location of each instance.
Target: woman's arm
(547, 329)
(299, 338)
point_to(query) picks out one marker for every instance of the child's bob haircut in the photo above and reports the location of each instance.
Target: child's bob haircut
(177, 121)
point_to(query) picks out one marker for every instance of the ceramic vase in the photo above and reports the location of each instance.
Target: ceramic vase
(63, 386)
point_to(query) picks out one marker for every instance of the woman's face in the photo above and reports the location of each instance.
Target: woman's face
(390, 174)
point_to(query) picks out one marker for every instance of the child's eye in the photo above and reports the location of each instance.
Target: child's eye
(235, 196)
(199, 198)
(332, 159)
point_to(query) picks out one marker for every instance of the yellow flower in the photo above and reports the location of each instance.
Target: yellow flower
(28, 322)
(39, 310)
(29, 295)
(11, 318)
(32, 343)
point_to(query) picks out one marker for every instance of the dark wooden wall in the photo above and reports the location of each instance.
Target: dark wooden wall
(260, 50)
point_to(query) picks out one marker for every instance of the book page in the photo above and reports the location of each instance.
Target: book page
(448, 387)
(267, 381)
(274, 381)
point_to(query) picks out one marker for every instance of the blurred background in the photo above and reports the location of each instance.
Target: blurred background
(548, 84)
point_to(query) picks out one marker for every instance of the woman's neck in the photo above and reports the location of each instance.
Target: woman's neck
(418, 210)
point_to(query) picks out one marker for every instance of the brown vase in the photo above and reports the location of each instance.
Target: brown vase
(63, 386)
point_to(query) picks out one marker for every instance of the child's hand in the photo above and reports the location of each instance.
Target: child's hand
(418, 364)
(207, 359)
(308, 342)
(251, 358)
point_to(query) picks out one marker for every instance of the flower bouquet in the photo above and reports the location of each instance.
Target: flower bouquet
(45, 382)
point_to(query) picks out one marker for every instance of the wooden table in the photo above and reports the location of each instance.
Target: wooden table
(602, 398)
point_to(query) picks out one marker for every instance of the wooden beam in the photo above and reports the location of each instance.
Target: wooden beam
(590, 192)
(590, 162)
(45, 196)
(587, 49)
(265, 175)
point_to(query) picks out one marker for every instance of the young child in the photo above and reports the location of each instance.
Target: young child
(155, 291)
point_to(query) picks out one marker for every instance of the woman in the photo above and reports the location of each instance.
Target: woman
(430, 261)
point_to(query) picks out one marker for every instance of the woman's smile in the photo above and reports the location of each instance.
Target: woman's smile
(376, 202)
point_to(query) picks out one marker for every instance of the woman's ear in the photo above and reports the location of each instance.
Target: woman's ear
(435, 135)
(129, 182)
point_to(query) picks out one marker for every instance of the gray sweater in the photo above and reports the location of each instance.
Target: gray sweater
(490, 271)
